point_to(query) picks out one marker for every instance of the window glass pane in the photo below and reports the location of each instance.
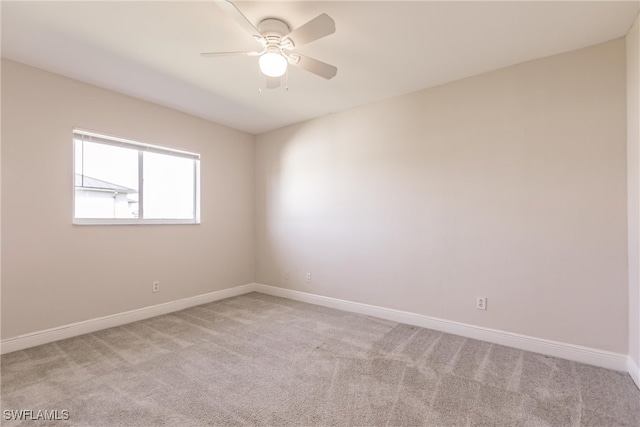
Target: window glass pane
(106, 181)
(168, 186)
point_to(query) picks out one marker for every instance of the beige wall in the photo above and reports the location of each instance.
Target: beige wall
(54, 273)
(509, 185)
(633, 186)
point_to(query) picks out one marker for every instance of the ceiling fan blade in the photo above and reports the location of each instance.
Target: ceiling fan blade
(314, 66)
(239, 17)
(216, 54)
(318, 27)
(273, 82)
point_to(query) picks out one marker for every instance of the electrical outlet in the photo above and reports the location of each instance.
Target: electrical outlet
(155, 287)
(481, 303)
(308, 277)
(286, 274)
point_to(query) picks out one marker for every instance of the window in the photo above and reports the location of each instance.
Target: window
(118, 181)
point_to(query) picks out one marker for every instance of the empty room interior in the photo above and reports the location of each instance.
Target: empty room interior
(320, 213)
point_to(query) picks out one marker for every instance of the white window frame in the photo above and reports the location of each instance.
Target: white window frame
(140, 147)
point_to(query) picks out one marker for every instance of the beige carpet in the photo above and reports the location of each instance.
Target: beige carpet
(262, 360)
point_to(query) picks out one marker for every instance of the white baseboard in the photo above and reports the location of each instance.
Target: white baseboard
(92, 325)
(590, 356)
(634, 370)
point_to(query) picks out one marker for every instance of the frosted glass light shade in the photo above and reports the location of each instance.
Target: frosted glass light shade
(272, 64)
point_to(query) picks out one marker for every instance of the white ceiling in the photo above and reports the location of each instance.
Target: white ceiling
(150, 49)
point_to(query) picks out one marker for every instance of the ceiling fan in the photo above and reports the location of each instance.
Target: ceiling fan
(278, 44)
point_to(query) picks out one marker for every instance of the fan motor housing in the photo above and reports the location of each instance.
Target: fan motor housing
(273, 27)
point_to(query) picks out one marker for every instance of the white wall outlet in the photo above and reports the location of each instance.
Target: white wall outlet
(286, 274)
(308, 278)
(481, 303)
(155, 287)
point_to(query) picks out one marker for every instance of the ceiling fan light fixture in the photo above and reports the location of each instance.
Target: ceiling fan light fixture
(273, 64)
(279, 43)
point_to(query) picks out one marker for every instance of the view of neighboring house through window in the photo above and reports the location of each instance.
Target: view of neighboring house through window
(122, 181)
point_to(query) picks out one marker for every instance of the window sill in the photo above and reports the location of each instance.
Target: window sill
(103, 221)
